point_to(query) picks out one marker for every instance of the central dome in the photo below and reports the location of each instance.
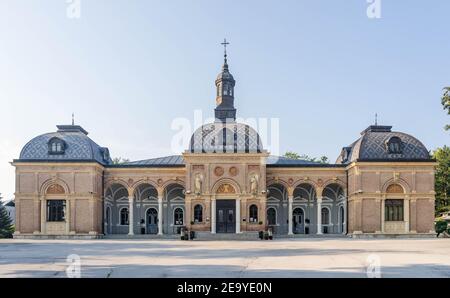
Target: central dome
(225, 138)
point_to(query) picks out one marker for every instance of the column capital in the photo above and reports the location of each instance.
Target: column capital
(130, 198)
(160, 198)
(319, 199)
(290, 199)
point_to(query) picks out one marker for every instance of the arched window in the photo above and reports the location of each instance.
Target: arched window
(393, 210)
(325, 216)
(198, 213)
(124, 217)
(178, 217)
(394, 145)
(271, 216)
(56, 146)
(253, 213)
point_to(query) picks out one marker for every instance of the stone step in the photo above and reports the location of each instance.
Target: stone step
(140, 236)
(226, 236)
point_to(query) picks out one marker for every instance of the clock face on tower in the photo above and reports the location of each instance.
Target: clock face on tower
(218, 100)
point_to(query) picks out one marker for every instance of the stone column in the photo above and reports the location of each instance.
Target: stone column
(188, 207)
(290, 216)
(43, 219)
(213, 215)
(319, 215)
(238, 215)
(344, 220)
(160, 215)
(131, 215)
(67, 216)
(406, 214)
(382, 214)
(36, 216)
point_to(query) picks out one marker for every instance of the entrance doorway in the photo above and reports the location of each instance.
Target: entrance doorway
(298, 219)
(152, 221)
(226, 216)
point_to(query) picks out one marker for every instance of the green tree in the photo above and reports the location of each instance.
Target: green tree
(442, 178)
(294, 155)
(291, 155)
(119, 160)
(445, 100)
(6, 226)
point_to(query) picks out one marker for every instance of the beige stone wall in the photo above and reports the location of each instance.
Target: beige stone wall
(367, 191)
(82, 192)
(219, 169)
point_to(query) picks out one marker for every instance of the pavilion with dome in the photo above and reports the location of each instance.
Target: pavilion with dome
(224, 183)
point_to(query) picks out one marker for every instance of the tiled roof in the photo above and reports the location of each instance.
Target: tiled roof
(177, 160)
(78, 147)
(173, 160)
(371, 146)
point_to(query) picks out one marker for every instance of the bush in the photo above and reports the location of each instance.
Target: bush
(441, 227)
(6, 227)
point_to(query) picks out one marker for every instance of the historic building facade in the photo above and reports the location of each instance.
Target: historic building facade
(225, 182)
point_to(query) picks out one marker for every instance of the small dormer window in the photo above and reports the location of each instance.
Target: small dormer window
(105, 153)
(394, 145)
(56, 146)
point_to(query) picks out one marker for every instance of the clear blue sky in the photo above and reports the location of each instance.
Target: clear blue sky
(128, 68)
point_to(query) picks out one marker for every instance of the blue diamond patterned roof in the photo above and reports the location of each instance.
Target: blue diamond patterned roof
(230, 137)
(78, 147)
(372, 146)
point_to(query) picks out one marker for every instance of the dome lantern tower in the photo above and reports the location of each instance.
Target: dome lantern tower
(225, 82)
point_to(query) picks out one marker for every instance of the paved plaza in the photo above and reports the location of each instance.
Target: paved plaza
(319, 257)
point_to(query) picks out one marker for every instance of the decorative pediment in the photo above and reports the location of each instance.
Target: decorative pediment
(395, 188)
(55, 189)
(226, 189)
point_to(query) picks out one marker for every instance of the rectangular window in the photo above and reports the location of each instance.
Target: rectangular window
(393, 210)
(56, 210)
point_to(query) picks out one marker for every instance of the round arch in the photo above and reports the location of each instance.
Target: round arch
(142, 182)
(230, 181)
(172, 181)
(309, 182)
(50, 182)
(279, 181)
(279, 188)
(401, 182)
(171, 188)
(329, 188)
(112, 182)
(333, 181)
(143, 188)
(312, 193)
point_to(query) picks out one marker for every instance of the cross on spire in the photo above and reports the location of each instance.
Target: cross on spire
(376, 119)
(225, 43)
(73, 119)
